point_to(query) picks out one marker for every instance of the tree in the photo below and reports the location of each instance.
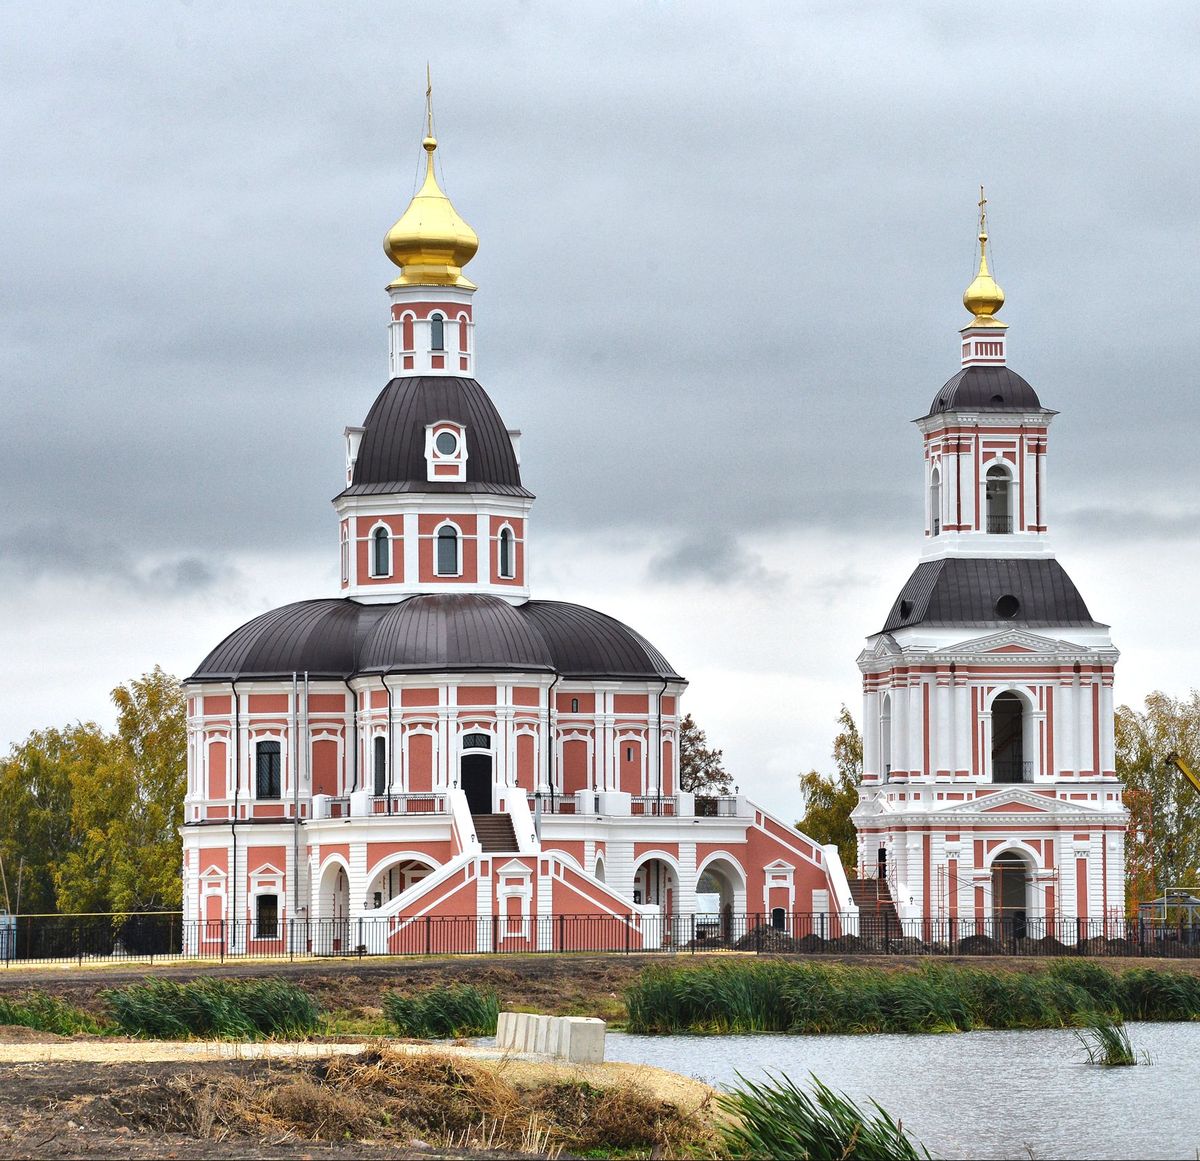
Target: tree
(700, 769)
(37, 784)
(127, 807)
(1162, 845)
(829, 798)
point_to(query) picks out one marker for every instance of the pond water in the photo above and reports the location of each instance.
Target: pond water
(976, 1094)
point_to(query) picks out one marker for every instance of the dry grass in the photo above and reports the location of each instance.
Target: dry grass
(388, 1097)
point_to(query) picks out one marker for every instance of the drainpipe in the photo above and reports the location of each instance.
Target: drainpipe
(660, 745)
(390, 748)
(353, 732)
(301, 724)
(237, 787)
(550, 739)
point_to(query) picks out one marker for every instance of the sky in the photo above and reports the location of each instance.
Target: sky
(722, 256)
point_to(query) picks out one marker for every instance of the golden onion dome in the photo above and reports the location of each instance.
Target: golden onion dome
(431, 243)
(983, 298)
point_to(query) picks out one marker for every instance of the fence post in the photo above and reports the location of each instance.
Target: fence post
(1079, 945)
(360, 947)
(495, 934)
(693, 933)
(78, 943)
(758, 935)
(628, 928)
(428, 932)
(562, 919)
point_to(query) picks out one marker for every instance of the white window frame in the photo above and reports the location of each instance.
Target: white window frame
(458, 549)
(381, 526)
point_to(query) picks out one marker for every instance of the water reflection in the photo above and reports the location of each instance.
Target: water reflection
(977, 1094)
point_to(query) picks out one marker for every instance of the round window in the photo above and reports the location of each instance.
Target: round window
(446, 443)
(1008, 607)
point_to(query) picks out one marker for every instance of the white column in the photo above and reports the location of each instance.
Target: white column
(412, 548)
(942, 753)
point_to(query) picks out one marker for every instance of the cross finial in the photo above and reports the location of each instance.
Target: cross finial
(429, 103)
(982, 212)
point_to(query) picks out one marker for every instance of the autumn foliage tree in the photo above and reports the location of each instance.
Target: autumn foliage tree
(1162, 845)
(92, 818)
(829, 798)
(701, 769)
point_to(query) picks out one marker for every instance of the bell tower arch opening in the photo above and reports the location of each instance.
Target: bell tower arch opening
(1011, 733)
(998, 496)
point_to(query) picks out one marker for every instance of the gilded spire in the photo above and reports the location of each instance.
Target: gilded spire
(983, 298)
(431, 243)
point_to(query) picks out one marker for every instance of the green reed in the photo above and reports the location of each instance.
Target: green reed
(458, 1010)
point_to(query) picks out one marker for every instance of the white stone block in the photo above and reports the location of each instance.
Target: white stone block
(582, 1040)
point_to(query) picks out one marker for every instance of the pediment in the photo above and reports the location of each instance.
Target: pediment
(779, 865)
(514, 867)
(266, 870)
(1013, 642)
(1013, 800)
(884, 647)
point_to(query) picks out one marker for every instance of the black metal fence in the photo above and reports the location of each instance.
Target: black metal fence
(157, 937)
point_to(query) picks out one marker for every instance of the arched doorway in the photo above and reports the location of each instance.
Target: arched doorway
(331, 934)
(394, 880)
(1008, 740)
(999, 500)
(655, 882)
(1010, 893)
(475, 772)
(722, 879)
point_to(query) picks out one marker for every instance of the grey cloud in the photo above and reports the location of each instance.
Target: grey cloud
(73, 556)
(716, 559)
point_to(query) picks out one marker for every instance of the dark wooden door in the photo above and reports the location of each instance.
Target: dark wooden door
(475, 778)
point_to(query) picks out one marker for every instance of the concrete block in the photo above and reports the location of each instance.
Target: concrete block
(582, 1040)
(574, 1038)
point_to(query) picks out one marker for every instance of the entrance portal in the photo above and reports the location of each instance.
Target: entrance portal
(1010, 893)
(475, 778)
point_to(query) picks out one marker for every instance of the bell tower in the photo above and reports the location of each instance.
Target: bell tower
(989, 793)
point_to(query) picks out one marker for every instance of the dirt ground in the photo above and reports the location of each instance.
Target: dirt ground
(95, 1107)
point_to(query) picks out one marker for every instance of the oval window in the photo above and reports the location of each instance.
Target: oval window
(446, 443)
(1008, 606)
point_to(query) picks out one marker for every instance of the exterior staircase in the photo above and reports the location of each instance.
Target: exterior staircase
(877, 915)
(495, 833)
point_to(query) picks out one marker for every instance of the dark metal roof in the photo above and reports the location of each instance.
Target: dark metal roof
(447, 631)
(971, 591)
(443, 633)
(391, 456)
(320, 638)
(986, 389)
(586, 643)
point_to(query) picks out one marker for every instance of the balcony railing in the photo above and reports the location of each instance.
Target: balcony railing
(652, 804)
(1001, 525)
(1009, 771)
(720, 806)
(430, 803)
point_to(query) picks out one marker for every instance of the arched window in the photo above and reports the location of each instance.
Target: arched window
(1009, 740)
(267, 763)
(437, 332)
(447, 551)
(506, 554)
(935, 502)
(345, 556)
(574, 705)
(381, 553)
(380, 765)
(999, 500)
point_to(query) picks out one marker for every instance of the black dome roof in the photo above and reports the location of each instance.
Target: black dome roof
(986, 389)
(391, 456)
(437, 632)
(972, 591)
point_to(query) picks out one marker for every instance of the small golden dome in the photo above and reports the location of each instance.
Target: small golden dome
(431, 243)
(983, 298)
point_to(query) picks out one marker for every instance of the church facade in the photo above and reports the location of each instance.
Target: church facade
(432, 745)
(989, 791)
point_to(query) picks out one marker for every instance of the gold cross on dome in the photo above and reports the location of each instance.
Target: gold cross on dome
(982, 212)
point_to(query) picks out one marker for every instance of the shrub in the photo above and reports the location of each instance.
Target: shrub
(224, 1009)
(459, 1010)
(47, 1013)
(777, 1119)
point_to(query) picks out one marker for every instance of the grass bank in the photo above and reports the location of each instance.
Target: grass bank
(806, 997)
